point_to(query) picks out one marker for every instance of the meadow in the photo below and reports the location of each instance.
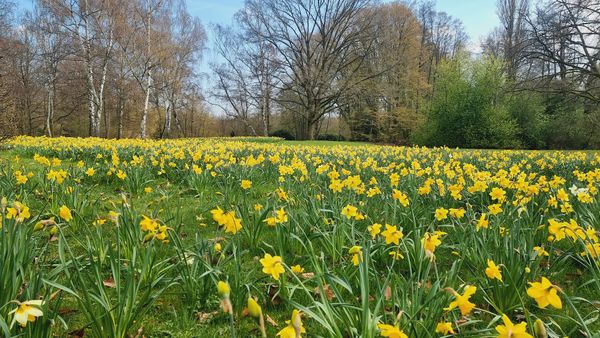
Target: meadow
(258, 237)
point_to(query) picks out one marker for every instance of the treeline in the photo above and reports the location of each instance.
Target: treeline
(103, 68)
(370, 65)
(537, 84)
(402, 73)
(394, 72)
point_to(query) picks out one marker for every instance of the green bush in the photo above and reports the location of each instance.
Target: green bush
(284, 134)
(469, 108)
(331, 137)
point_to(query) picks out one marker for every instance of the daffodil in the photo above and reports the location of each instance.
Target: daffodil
(463, 301)
(253, 308)
(295, 328)
(498, 194)
(374, 230)
(392, 234)
(430, 242)
(357, 254)
(19, 212)
(272, 265)
(400, 197)
(148, 224)
(297, 269)
(544, 293)
(246, 184)
(27, 311)
(441, 214)
(457, 212)
(391, 331)
(482, 222)
(350, 211)
(510, 330)
(493, 270)
(444, 328)
(223, 289)
(65, 213)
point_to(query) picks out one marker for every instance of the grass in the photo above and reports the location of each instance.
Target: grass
(337, 297)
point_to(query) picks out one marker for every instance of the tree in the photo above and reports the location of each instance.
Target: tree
(388, 105)
(186, 42)
(564, 41)
(313, 40)
(469, 107)
(7, 106)
(90, 28)
(513, 34)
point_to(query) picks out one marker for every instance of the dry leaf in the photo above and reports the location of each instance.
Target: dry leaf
(205, 316)
(387, 293)
(328, 292)
(271, 321)
(66, 311)
(77, 333)
(307, 275)
(110, 283)
(54, 294)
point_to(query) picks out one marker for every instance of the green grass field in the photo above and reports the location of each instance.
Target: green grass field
(130, 238)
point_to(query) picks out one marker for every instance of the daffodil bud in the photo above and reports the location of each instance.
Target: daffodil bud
(38, 226)
(149, 236)
(296, 320)
(53, 230)
(253, 308)
(3, 203)
(540, 329)
(223, 289)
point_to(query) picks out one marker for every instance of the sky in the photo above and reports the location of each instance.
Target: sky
(478, 16)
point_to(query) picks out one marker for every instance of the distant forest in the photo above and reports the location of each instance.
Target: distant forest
(394, 72)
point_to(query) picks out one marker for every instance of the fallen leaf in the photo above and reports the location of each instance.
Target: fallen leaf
(77, 333)
(109, 283)
(307, 275)
(328, 292)
(387, 293)
(205, 316)
(271, 321)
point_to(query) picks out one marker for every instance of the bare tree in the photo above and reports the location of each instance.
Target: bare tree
(7, 107)
(52, 51)
(90, 26)
(442, 36)
(245, 78)
(232, 88)
(186, 41)
(512, 14)
(313, 39)
(564, 40)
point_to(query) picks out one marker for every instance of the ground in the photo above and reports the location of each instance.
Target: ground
(366, 235)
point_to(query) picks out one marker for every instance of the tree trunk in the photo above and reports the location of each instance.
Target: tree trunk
(121, 113)
(168, 118)
(146, 104)
(50, 111)
(91, 113)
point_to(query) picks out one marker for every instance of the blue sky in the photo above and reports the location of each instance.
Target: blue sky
(478, 16)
